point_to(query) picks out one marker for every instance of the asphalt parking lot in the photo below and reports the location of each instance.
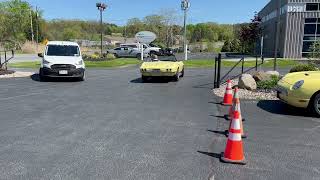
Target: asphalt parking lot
(113, 126)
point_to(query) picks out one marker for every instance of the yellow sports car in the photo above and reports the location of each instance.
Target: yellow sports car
(162, 66)
(301, 89)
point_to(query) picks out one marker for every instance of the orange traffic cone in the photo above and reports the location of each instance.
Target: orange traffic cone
(235, 108)
(234, 149)
(227, 100)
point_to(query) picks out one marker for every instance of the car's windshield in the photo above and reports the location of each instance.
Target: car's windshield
(60, 50)
(167, 58)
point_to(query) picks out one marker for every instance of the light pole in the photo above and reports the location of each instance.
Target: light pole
(101, 7)
(185, 5)
(276, 47)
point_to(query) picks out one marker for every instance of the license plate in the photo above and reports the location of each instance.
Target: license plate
(63, 72)
(156, 70)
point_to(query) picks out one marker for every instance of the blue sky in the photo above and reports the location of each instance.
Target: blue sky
(220, 11)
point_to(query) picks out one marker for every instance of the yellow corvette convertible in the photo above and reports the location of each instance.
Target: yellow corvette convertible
(162, 66)
(301, 89)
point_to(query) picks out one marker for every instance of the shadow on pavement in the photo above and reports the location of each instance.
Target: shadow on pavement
(215, 155)
(152, 80)
(225, 133)
(216, 103)
(204, 86)
(278, 107)
(35, 77)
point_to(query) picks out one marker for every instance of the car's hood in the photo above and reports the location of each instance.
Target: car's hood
(292, 78)
(159, 64)
(63, 59)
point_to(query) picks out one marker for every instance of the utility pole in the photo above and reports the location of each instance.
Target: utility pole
(37, 34)
(185, 5)
(31, 24)
(125, 34)
(276, 47)
(101, 7)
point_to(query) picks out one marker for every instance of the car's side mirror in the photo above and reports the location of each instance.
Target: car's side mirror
(40, 54)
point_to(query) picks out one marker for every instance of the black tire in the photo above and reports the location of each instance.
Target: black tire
(116, 55)
(316, 105)
(182, 73)
(176, 78)
(138, 56)
(42, 78)
(153, 53)
(144, 78)
(83, 77)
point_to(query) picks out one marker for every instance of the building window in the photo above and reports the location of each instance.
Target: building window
(310, 29)
(312, 7)
(311, 35)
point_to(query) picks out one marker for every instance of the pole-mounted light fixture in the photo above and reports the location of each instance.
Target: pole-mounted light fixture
(185, 5)
(101, 7)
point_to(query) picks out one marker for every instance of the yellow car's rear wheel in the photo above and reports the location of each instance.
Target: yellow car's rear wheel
(316, 104)
(144, 78)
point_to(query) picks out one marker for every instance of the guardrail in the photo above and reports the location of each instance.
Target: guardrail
(4, 58)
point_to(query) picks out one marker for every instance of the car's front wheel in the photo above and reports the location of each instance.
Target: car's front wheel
(83, 77)
(316, 104)
(177, 76)
(42, 78)
(182, 73)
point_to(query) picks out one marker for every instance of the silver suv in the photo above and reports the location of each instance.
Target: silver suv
(126, 52)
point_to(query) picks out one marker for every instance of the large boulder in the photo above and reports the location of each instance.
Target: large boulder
(246, 81)
(261, 76)
(273, 73)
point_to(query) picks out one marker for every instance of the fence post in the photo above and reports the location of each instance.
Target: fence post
(5, 59)
(219, 71)
(262, 58)
(215, 72)
(256, 62)
(242, 68)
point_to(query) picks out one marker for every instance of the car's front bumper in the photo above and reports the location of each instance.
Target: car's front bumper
(158, 74)
(48, 72)
(292, 98)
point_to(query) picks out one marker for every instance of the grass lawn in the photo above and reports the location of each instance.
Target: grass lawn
(282, 63)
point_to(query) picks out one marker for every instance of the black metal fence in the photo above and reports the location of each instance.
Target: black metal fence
(5, 57)
(218, 80)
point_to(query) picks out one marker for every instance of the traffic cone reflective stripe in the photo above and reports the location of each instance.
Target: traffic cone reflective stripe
(228, 97)
(234, 148)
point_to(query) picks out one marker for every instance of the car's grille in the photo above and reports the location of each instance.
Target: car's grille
(63, 67)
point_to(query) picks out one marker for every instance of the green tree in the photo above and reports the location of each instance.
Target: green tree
(315, 50)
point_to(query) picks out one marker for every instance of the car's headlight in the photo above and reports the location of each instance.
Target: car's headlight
(298, 85)
(45, 62)
(80, 62)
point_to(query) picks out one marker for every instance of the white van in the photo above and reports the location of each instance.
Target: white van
(62, 59)
(147, 49)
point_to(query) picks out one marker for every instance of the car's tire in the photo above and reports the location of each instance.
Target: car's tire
(116, 55)
(176, 77)
(144, 78)
(316, 105)
(42, 78)
(153, 53)
(83, 77)
(182, 73)
(138, 56)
